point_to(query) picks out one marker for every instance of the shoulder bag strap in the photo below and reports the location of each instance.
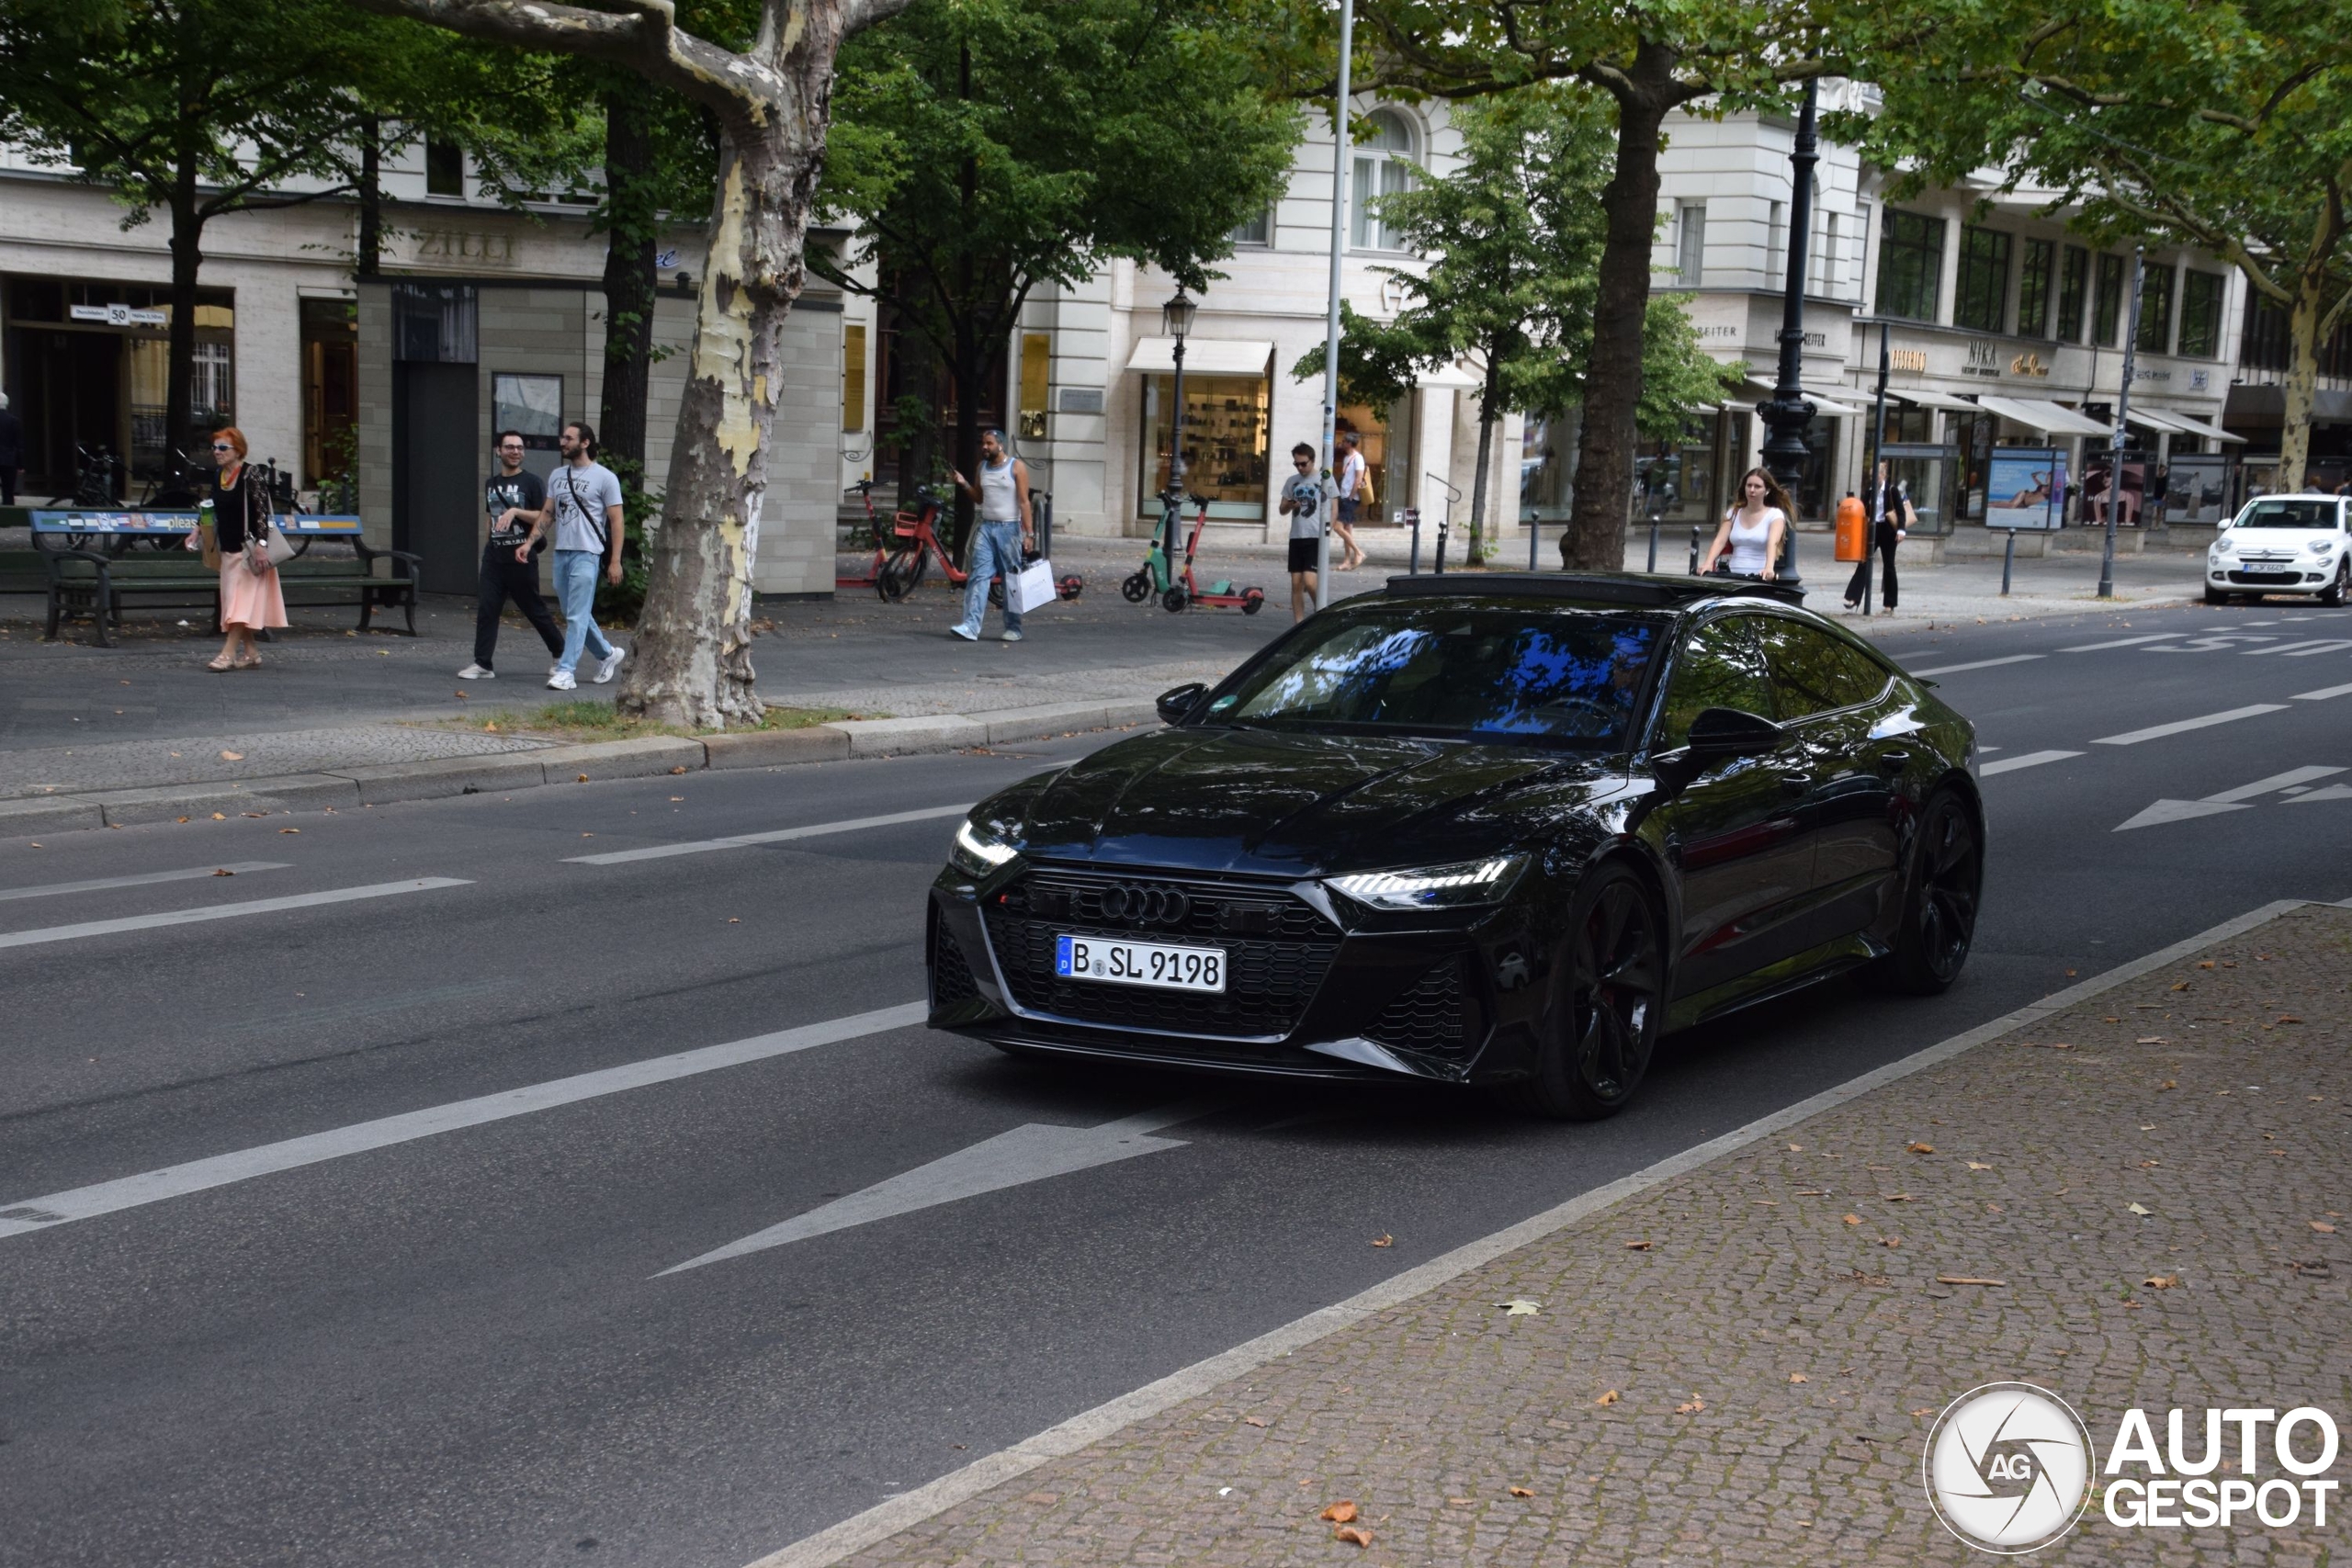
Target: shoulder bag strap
(604, 540)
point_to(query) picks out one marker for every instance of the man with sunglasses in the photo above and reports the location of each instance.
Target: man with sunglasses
(513, 497)
(1303, 504)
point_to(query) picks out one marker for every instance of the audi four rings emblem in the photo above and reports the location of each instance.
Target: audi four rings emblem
(1146, 905)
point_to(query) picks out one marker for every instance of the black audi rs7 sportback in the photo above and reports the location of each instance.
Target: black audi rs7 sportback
(1496, 830)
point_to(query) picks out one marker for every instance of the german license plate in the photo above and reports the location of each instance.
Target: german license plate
(1139, 963)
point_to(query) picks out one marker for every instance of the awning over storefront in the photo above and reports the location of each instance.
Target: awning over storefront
(1933, 400)
(1821, 402)
(2189, 426)
(2037, 414)
(1202, 355)
(2147, 419)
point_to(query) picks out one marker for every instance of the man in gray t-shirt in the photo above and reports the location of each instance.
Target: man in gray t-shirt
(1303, 504)
(584, 506)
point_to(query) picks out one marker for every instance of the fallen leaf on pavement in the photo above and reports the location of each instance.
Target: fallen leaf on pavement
(2135, 1209)
(2322, 1227)
(1384, 1241)
(219, 817)
(1925, 1410)
(1923, 1148)
(1900, 1197)
(1521, 1308)
(2182, 986)
(581, 779)
(1696, 1405)
(224, 870)
(1637, 1246)
(678, 770)
(2288, 1018)
(1460, 1502)
(1964, 1280)
(1796, 1148)
(2207, 964)
(1521, 1492)
(1978, 1164)
(232, 756)
(2162, 1281)
(2168, 1083)
(1340, 1513)
(1799, 1377)
(1253, 1420)
(2146, 1163)
(2152, 1040)
(281, 829)
(1890, 1241)
(1853, 1219)
(1609, 1398)
(1352, 1535)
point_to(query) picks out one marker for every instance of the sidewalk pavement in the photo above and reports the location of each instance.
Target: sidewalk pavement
(2133, 1198)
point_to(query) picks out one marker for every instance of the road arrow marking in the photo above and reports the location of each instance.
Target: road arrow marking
(2123, 642)
(2023, 760)
(2275, 782)
(1034, 1152)
(2164, 811)
(2182, 726)
(2333, 792)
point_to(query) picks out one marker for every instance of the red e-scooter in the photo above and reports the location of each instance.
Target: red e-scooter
(1186, 590)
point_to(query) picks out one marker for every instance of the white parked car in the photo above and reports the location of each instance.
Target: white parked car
(2282, 544)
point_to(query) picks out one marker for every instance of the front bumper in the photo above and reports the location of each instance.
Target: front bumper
(2240, 578)
(1316, 989)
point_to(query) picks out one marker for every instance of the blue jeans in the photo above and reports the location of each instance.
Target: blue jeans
(996, 548)
(575, 589)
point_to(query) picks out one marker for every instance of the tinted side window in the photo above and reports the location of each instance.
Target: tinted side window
(1814, 672)
(1718, 666)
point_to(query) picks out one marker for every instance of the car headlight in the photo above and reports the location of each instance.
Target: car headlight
(2320, 546)
(976, 851)
(1462, 886)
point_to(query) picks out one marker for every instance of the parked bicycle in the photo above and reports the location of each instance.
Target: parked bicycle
(919, 541)
(96, 471)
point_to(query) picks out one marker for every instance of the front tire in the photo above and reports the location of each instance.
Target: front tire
(2215, 596)
(1135, 590)
(901, 574)
(1940, 898)
(2337, 589)
(1609, 1003)
(1173, 601)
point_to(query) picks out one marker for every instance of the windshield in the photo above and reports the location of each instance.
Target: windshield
(2289, 514)
(1563, 675)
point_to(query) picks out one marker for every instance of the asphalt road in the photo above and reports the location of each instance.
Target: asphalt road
(449, 1338)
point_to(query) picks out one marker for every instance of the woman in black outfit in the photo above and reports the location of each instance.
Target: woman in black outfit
(1888, 529)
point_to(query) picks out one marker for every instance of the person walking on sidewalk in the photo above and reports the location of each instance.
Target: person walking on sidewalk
(1005, 532)
(1303, 504)
(512, 496)
(584, 506)
(1889, 528)
(1353, 473)
(250, 600)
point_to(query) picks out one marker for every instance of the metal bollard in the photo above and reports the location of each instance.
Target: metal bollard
(2008, 560)
(1413, 520)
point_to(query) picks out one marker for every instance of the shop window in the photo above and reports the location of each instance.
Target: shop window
(1384, 167)
(2155, 309)
(2108, 310)
(1386, 443)
(1983, 300)
(2074, 288)
(2033, 288)
(854, 378)
(1225, 442)
(1676, 478)
(330, 391)
(445, 168)
(1910, 265)
(532, 405)
(2200, 315)
(434, 323)
(1037, 378)
(1691, 244)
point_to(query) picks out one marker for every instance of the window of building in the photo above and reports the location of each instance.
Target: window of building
(530, 405)
(445, 168)
(2033, 288)
(1826, 280)
(1776, 248)
(2108, 310)
(1910, 265)
(2155, 309)
(1691, 244)
(854, 378)
(2073, 288)
(1037, 376)
(1257, 231)
(1983, 302)
(2200, 315)
(1384, 165)
(1225, 442)
(330, 391)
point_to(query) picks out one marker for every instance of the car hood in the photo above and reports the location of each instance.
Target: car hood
(2275, 541)
(1287, 804)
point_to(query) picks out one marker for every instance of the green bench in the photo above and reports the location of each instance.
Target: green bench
(95, 562)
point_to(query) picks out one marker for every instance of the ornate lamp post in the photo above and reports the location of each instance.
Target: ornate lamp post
(1176, 320)
(1788, 413)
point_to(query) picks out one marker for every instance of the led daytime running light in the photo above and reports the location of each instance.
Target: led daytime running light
(1398, 887)
(984, 851)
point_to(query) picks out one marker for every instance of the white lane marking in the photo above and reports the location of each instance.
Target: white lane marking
(2275, 782)
(2164, 811)
(2302, 649)
(1034, 1152)
(2333, 792)
(2123, 642)
(224, 912)
(1979, 664)
(2024, 759)
(2331, 645)
(780, 836)
(2182, 726)
(2323, 693)
(99, 883)
(219, 1170)
(887, 1518)
(1988, 750)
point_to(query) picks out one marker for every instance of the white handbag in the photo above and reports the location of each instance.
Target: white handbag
(1033, 590)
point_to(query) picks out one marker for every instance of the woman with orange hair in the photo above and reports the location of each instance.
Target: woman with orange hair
(251, 598)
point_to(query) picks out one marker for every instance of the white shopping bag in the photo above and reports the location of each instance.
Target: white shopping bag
(1033, 590)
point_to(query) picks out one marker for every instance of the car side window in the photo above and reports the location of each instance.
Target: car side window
(1814, 672)
(1718, 666)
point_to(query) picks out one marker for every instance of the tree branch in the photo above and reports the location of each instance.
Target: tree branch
(645, 38)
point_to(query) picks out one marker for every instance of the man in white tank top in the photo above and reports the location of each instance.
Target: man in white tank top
(1005, 531)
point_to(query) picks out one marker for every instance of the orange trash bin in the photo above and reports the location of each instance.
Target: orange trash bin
(1853, 531)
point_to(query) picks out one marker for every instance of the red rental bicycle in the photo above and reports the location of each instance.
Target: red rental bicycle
(863, 491)
(919, 541)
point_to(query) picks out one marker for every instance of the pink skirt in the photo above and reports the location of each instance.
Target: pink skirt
(247, 599)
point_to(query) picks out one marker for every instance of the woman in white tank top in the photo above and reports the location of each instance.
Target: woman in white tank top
(1754, 531)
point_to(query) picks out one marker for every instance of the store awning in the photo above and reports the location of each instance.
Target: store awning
(1821, 402)
(1202, 355)
(1933, 400)
(2163, 424)
(2189, 426)
(2038, 414)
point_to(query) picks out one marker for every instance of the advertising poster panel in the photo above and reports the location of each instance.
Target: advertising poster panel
(2026, 488)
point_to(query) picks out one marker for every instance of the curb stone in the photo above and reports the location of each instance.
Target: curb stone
(902, 737)
(40, 815)
(284, 792)
(645, 757)
(385, 782)
(768, 748)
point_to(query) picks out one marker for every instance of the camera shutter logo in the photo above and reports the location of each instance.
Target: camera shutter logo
(2007, 1468)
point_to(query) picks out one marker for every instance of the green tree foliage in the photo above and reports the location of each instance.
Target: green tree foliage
(198, 108)
(985, 148)
(2224, 126)
(1515, 236)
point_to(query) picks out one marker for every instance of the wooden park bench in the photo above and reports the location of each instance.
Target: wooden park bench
(97, 562)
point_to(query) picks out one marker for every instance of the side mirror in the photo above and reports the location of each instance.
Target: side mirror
(1729, 732)
(1175, 704)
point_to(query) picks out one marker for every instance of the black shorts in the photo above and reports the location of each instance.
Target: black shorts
(1303, 553)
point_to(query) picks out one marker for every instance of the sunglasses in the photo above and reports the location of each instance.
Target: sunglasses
(223, 446)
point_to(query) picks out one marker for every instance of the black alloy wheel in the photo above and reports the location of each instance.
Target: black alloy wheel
(1940, 898)
(901, 574)
(2333, 595)
(1610, 1006)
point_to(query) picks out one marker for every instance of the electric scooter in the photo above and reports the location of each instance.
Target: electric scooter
(1182, 590)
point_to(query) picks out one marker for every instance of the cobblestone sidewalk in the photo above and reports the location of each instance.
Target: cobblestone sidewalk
(2132, 1201)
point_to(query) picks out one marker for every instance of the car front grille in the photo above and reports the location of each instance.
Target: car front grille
(1277, 949)
(1433, 1017)
(2280, 575)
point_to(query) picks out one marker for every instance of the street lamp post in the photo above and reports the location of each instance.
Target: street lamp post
(1787, 413)
(1330, 434)
(2115, 442)
(1176, 320)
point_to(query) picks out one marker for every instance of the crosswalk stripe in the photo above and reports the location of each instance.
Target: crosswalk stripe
(2023, 760)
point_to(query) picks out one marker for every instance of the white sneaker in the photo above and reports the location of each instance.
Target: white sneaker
(611, 665)
(1010, 636)
(477, 673)
(561, 681)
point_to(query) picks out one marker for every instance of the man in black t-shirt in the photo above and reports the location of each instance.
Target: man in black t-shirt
(512, 496)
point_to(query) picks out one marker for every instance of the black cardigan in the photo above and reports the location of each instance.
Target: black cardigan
(238, 511)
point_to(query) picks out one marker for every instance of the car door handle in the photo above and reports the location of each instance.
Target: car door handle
(1795, 784)
(1893, 762)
